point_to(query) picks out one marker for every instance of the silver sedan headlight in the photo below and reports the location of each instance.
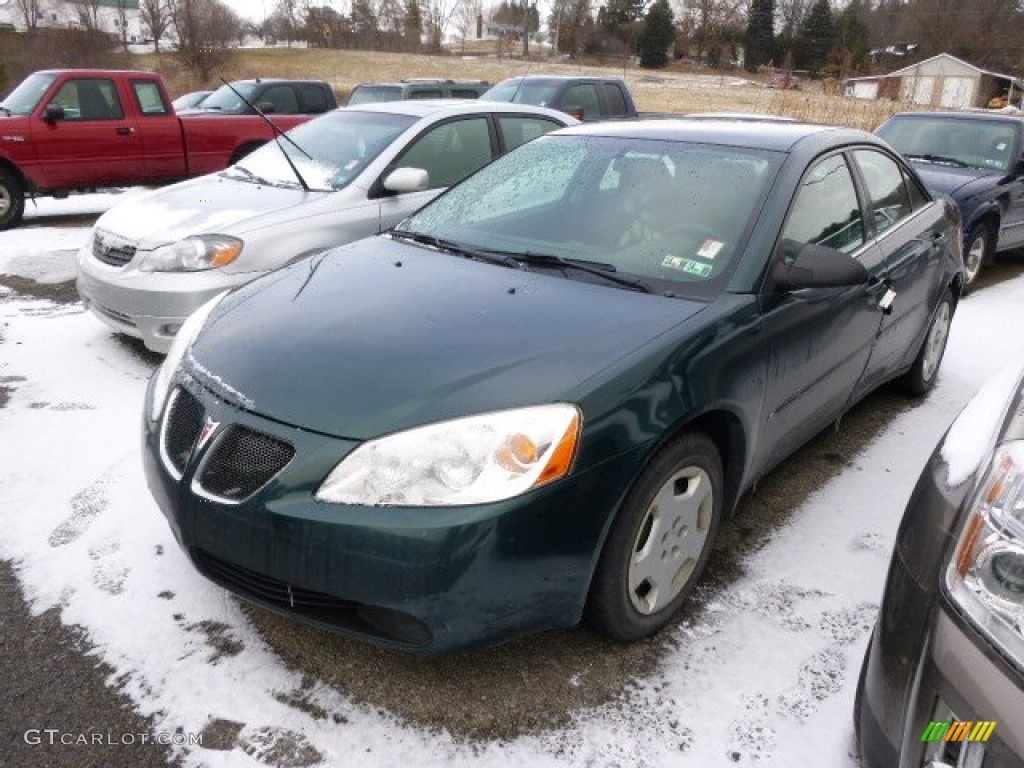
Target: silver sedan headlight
(986, 576)
(182, 341)
(473, 460)
(193, 254)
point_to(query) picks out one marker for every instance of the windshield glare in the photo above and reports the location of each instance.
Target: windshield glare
(974, 143)
(340, 144)
(26, 96)
(539, 94)
(226, 100)
(671, 214)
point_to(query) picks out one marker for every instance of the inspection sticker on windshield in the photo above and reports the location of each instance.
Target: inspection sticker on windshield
(686, 265)
(710, 249)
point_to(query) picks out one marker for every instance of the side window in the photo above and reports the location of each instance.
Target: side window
(149, 98)
(582, 99)
(283, 99)
(826, 210)
(89, 99)
(614, 99)
(431, 93)
(890, 200)
(519, 130)
(918, 197)
(314, 99)
(462, 93)
(451, 151)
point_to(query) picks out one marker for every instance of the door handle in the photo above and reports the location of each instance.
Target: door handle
(125, 130)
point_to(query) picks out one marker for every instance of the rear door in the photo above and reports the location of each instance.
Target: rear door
(96, 141)
(159, 130)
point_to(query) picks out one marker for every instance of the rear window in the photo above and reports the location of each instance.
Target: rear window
(368, 94)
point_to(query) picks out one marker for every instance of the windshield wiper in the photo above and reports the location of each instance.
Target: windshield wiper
(598, 268)
(491, 257)
(249, 174)
(940, 159)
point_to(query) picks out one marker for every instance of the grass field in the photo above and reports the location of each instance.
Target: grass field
(654, 90)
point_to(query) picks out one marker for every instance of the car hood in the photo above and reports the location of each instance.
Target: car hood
(380, 336)
(955, 181)
(213, 204)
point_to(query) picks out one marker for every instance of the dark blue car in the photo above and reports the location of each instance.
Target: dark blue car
(976, 159)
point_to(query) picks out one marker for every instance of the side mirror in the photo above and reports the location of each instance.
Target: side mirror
(53, 113)
(403, 180)
(266, 107)
(818, 266)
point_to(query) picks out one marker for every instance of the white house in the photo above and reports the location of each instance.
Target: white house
(119, 18)
(941, 81)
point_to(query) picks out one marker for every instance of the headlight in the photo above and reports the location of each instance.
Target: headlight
(473, 460)
(182, 341)
(193, 254)
(986, 577)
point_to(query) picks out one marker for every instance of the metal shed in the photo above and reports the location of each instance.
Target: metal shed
(941, 81)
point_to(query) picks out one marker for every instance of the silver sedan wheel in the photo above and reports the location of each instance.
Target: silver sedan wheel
(935, 344)
(670, 539)
(975, 256)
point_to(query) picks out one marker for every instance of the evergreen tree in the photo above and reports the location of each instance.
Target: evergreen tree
(657, 35)
(413, 32)
(852, 41)
(817, 33)
(760, 34)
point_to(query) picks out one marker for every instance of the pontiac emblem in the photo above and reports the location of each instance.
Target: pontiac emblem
(208, 429)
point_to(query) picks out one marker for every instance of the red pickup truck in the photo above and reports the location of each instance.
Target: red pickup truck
(69, 129)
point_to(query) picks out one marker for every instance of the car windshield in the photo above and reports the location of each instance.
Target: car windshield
(540, 94)
(26, 96)
(368, 94)
(987, 144)
(671, 216)
(339, 146)
(226, 100)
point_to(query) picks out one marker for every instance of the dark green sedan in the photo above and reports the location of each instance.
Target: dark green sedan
(538, 398)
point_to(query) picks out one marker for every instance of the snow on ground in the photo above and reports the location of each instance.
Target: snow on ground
(766, 675)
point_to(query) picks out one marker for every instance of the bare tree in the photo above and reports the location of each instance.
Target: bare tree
(30, 12)
(571, 22)
(466, 13)
(205, 30)
(89, 14)
(436, 16)
(156, 18)
(706, 23)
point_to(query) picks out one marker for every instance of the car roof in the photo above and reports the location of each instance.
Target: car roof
(776, 135)
(445, 107)
(562, 78)
(272, 80)
(423, 81)
(967, 116)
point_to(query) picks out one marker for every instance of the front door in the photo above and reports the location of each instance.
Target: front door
(95, 142)
(819, 339)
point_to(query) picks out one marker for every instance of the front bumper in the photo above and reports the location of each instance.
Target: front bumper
(943, 671)
(428, 580)
(149, 305)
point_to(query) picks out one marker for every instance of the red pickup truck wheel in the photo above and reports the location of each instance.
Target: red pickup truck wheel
(12, 199)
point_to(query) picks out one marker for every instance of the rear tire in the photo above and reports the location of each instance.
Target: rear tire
(660, 541)
(922, 374)
(977, 248)
(12, 199)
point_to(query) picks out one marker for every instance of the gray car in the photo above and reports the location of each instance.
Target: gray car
(349, 174)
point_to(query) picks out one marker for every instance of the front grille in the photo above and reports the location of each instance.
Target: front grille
(182, 426)
(242, 462)
(319, 607)
(110, 251)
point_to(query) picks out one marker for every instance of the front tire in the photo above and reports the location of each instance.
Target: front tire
(12, 199)
(660, 542)
(922, 374)
(977, 246)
